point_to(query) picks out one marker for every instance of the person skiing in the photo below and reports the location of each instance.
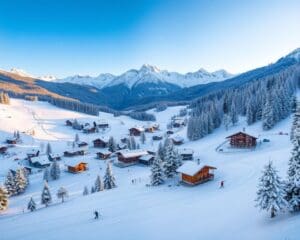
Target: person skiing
(96, 214)
(222, 184)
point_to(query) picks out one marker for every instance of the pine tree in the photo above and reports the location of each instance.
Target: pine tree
(157, 175)
(268, 114)
(132, 142)
(98, 184)
(3, 198)
(77, 138)
(48, 149)
(143, 138)
(233, 114)
(160, 151)
(92, 190)
(46, 176)
(112, 146)
(20, 181)
(62, 193)
(293, 181)
(172, 161)
(85, 191)
(10, 184)
(109, 179)
(31, 205)
(55, 170)
(46, 198)
(270, 194)
(295, 130)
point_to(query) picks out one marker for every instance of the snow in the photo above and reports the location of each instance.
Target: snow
(42, 159)
(133, 153)
(150, 74)
(147, 157)
(190, 168)
(135, 211)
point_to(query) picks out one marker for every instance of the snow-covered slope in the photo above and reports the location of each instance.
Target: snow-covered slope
(150, 74)
(135, 211)
(21, 72)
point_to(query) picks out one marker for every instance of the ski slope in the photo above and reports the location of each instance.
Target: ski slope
(134, 211)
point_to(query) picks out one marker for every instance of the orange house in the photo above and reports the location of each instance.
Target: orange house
(193, 173)
(77, 167)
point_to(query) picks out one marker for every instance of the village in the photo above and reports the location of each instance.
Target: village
(85, 147)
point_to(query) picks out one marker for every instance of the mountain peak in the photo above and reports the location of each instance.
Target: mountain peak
(20, 72)
(294, 54)
(149, 68)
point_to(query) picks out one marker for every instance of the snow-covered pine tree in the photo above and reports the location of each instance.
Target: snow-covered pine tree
(226, 121)
(268, 114)
(157, 175)
(250, 112)
(270, 194)
(132, 142)
(294, 104)
(55, 170)
(20, 181)
(160, 151)
(234, 118)
(31, 205)
(143, 138)
(62, 193)
(48, 149)
(293, 178)
(46, 175)
(112, 146)
(109, 179)
(3, 198)
(77, 138)
(171, 161)
(98, 184)
(10, 184)
(295, 129)
(85, 191)
(46, 198)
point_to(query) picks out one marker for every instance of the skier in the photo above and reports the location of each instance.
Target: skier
(222, 184)
(96, 215)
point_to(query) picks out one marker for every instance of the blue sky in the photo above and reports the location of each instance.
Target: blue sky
(66, 37)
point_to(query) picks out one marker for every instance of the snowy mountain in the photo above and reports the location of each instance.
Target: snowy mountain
(21, 72)
(149, 74)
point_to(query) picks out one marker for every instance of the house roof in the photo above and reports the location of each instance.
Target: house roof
(41, 159)
(140, 129)
(177, 139)
(185, 151)
(243, 133)
(191, 168)
(104, 151)
(103, 139)
(132, 153)
(147, 157)
(74, 161)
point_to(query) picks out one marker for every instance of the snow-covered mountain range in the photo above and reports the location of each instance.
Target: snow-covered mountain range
(149, 74)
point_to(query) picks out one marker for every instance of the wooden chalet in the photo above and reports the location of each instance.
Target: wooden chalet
(242, 140)
(100, 143)
(170, 132)
(192, 173)
(69, 123)
(146, 159)
(186, 154)
(121, 146)
(177, 140)
(3, 149)
(75, 152)
(41, 161)
(77, 167)
(157, 137)
(12, 140)
(136, 131)
(54, 157)
(82, 144)
(130, 156)
(103, 154)
(33, 153)
(102, 124)
(89, 130)
(152, 128)
(178, 122)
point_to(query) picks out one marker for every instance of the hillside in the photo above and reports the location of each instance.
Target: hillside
(147, 86)
(133, 210)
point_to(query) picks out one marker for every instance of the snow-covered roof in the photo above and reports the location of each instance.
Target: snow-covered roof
(132, 153)
(191, 168)
(178, 139)
(103, 139)
(139, 128)
(56, 155)
(104, 151)
(147, 157)
(75, 161)
(185, 151)
(41, 159)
